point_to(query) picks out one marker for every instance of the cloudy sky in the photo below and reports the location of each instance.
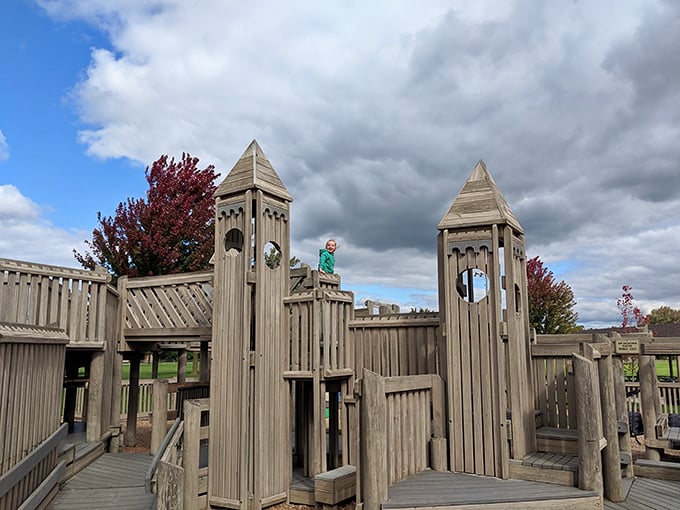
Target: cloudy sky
(373, 114)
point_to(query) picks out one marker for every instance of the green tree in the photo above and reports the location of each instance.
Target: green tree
(664, 315)
(551, 303)
(170, 231)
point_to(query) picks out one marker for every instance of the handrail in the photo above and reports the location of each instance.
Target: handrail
(161, 451)
(17, 472)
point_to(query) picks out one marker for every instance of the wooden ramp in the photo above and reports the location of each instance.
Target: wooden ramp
(113, 481)
(444, 490)
(649, 494)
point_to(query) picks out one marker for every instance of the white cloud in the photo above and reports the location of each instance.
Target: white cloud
(4, 147)
(374, 113)
(27, 235)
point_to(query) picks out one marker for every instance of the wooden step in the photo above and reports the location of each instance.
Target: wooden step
(554, 440)
(560, 469)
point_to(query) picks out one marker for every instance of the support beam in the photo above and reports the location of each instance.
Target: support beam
(649, 401)
(130, 437)
(95, 396)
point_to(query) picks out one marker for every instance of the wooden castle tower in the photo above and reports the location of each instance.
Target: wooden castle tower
(484, 355)
(249, 451)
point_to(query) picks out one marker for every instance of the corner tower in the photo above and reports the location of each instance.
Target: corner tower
(483, 313)
(249, 431)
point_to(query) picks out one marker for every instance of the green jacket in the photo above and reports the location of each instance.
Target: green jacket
(326, 261)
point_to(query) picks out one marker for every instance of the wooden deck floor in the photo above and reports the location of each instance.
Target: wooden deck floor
(450, 490)
(113, 481)
(649, 494)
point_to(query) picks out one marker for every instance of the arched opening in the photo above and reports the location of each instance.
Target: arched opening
(233, 242)
(472, 285)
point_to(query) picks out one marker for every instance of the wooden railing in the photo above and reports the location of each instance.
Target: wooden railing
(181, 480)
(319, 331)
(144, 403)
(554, 383)
(669, 396)
(71, 299)
(30, 481)
(396, 344)
(401, 419)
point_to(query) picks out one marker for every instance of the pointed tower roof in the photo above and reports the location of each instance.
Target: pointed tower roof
(253, 171)
(479, 202)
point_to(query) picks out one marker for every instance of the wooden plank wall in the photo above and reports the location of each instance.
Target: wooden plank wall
(399, 420)
(71, 299)
(318, 328)
(271, 421)
(81, 303)
(31, 374)
(554, 387)
(394, 345)
(473, 359)
(229, 379)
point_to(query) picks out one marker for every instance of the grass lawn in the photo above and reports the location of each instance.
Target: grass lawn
(166, 370)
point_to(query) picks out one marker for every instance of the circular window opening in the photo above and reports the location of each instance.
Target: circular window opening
(472, 285)
(272, 255)
(233, 242)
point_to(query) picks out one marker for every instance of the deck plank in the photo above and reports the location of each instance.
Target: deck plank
(649, 494)
(435, 488)
(113, 481)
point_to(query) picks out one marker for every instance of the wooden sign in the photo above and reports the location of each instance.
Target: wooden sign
(628, 346)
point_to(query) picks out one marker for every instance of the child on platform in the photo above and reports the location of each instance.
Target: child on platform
(327, 257)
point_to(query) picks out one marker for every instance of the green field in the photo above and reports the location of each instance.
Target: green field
(166, 370)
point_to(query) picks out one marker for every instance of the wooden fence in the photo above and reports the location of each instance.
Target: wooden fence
(181, 478)
(31, 374)
(402, 431)
(669, 396)
(395, 345)
(71, 299)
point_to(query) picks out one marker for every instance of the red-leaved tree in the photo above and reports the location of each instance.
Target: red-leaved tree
(170, 231)
(631, 315)
(551, 303)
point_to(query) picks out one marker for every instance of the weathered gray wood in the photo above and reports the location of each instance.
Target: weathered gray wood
(649, 400)
(170, 487)
(95, 396)
(112, 482)
(190, 462)
(130, 436)
(159, 423)
(611, 464)
(434, 489)
(622, 414)
(589, 422)
(373, 441)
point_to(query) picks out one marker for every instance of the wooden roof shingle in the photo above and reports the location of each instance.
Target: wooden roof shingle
(253, 171)
(479, 203)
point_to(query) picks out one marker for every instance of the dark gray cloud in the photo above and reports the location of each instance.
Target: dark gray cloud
(374, 114)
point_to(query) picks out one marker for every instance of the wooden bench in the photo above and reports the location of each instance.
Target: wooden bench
(335, 486)
(658, 469)
(666, 437)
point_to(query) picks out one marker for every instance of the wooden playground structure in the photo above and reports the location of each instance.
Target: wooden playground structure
(303, 398)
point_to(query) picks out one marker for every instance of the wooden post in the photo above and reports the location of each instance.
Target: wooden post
(373, 441)
(649, 401)
(94, 404)
(155, 359)
(130, 437)
(622, 415)
(194, 363)
(182, 366)
(192, 444)
(115, 401)
(611, 463)
(589, 425)
(159, 416)
(204, 367)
